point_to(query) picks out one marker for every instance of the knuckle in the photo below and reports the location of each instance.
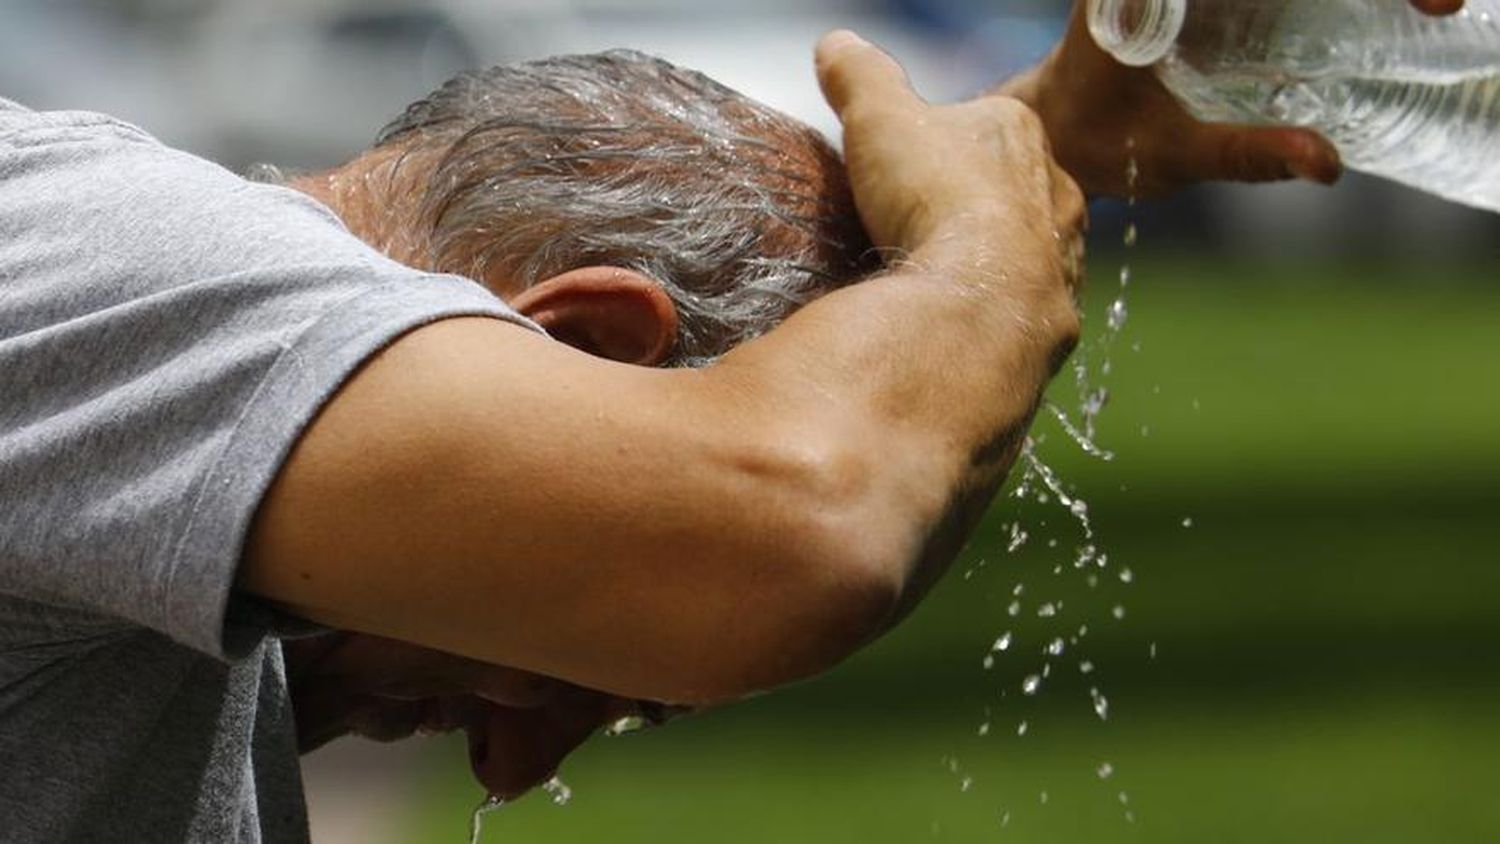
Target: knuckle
(1075, 205)
(1017, 114)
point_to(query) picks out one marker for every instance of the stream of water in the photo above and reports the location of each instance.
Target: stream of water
(1040, 483)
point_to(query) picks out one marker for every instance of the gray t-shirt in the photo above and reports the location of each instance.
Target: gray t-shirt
(167, 329)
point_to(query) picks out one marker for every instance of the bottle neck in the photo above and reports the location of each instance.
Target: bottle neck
(1136, 32)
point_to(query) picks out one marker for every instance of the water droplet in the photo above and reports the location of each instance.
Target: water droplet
(1118, 315)
(1124, 799)
(1021, 728)
(1018, 538)
(1118, 612)
(989, 661)
(1127, 576)
(1046, 670)
(966, 783)
(1031, 684)
(1044, 798)
(1047, 610)
(1086, 667)
(1131, 234)
(1092, 580)
(1101, 705)
(1129, 816)
(1187, 522)
(1086, 555)
(1014, 609)
(1019, 590)
(1004, 819)
(1153, 650)
(1105, 770)
(1056, 647)
(1145, 431)
(628, 724)
(1002, 643)
(984, 729)
(558, 791)
(1125, 276)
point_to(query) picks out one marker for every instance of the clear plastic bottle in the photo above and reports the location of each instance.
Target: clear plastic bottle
(1402, 95)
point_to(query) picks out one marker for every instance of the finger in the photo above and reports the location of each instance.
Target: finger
(387, 720)
(1261, 154)
(322, 715)
(1438, 7)
(853, 72)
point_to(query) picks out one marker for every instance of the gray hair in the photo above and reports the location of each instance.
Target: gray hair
(741, 213)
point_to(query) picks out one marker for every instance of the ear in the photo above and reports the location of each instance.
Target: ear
(606, 311)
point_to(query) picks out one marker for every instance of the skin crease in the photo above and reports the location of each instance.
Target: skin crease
(527, 723)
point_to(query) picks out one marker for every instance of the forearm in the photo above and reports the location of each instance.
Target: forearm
(691, 536)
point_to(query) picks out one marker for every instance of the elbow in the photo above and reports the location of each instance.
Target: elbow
(822, 579)
(791, 631)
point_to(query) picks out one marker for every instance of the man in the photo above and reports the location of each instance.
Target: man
(210, 383)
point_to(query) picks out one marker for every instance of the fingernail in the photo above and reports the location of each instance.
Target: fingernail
(841, 38)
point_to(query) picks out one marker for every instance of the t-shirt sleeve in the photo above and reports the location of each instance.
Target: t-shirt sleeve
(167, 330)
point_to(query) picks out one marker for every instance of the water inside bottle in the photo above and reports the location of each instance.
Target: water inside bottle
(1415, 100)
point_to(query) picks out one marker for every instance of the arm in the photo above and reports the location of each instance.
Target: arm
(694, 535)
(1094, 107)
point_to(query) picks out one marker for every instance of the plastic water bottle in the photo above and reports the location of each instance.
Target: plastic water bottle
(1402, 95)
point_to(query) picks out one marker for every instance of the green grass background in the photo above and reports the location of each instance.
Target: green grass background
(1325, 631)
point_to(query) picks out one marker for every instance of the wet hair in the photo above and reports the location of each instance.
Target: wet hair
(741, 213)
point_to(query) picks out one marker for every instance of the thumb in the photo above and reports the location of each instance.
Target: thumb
(851, 70)
(1227, 152)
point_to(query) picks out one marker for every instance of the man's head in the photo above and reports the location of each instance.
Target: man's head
(636, 209)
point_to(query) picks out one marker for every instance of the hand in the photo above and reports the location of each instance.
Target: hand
(1093, 107)
(520, 725)
(926, 176)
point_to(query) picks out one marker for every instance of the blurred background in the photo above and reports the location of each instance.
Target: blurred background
(1303, 490)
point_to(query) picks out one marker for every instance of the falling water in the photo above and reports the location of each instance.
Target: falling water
(1040, 483)
(476, 821)
(555, 788)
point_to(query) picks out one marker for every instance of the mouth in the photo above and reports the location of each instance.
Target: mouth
(508, 752)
